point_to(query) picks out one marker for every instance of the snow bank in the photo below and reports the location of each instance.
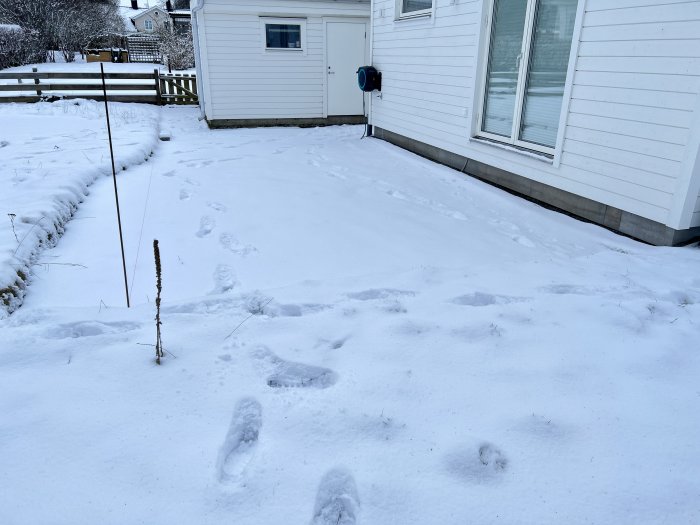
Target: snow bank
(50, 154)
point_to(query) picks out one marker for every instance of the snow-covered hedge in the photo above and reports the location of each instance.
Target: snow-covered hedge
(18, 46)
(51, 153)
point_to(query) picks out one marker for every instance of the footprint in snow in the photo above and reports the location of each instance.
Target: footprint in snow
(217, 206)
(89, 329)
(170, 173)
(290, 374)
(336, 174)
(481, 465)
(206, 225)
(224, 278)
(275, 309)
(485, 299)
(231, 243)
(379, 293)
(185, 194)
(240, 443)
(397, 195)
(520, 239)
(339, 343)
(566, 289)
(298, 375)
(337, 502)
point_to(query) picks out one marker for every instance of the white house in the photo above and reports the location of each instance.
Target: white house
(269, 62)
(144, 16)
(590, 106)
(150, 20)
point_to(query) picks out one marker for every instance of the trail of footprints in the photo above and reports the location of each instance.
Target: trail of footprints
(223, 277)
(337, 500)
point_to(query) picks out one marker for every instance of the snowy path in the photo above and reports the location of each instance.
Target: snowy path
(423, 349)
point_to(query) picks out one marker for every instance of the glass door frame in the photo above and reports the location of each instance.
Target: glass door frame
(523, 71)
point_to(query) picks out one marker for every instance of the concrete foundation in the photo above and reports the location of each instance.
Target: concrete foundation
(574, 205)
(299, 122)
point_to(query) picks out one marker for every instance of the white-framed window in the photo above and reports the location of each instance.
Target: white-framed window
(528, 60)
(413, 8)
(148, 25)
(283, 34)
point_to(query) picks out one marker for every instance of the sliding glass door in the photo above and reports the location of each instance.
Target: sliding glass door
(528, 60)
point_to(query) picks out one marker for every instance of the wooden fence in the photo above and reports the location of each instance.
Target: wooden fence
(151, 88)
(178, 88)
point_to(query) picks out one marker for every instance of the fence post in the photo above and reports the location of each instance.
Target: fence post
(159, 98)
(164, 89)
(178, 84)
(36, 81)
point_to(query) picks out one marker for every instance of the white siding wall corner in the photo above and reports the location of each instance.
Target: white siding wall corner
(246, 81)
(687, 208)
(203, 64)
(633, 94)
(692, 209)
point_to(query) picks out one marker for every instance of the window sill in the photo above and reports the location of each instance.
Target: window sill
(414, 16)
(547, 158)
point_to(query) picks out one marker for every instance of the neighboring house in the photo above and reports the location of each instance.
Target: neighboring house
(267, 62)
(181, 20)
(144, 16)
(151, 20)
(590, 106)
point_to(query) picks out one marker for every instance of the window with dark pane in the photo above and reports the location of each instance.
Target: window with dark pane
(409, 6)
(283, 36)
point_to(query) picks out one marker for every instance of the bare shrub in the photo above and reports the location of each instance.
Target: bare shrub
(177, 48)
(19, 47)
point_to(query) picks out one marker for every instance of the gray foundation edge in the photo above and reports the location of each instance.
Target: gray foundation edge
(299, 122)
(579, 207)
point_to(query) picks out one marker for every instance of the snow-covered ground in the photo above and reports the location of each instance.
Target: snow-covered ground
(416, 348)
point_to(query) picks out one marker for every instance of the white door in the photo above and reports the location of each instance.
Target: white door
(345, 52)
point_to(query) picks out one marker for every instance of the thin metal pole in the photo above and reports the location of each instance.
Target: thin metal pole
(114, 177)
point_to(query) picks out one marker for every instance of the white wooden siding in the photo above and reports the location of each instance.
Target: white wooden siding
(635, 86)
(244, 81)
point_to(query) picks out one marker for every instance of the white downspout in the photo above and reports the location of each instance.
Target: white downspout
(196, 8)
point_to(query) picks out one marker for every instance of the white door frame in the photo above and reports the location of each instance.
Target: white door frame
(349, 19)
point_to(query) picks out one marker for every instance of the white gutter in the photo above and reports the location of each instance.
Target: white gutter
(196, 8)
